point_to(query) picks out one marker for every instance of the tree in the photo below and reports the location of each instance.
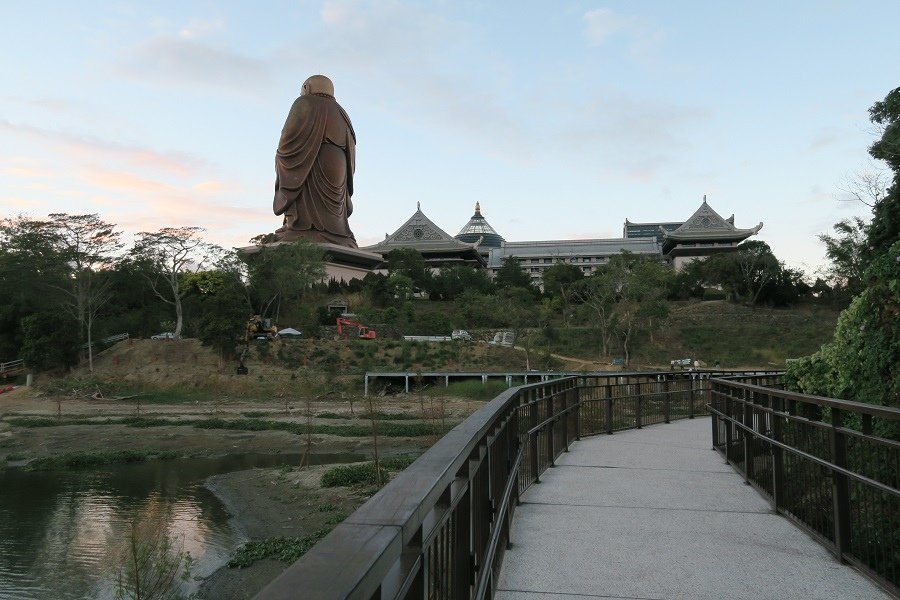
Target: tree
(282, 274)
(560, 281)
(862, 360)
(846, 250)
(641, 285)
(31, 274)
(168, 253)
(745, 272)
(885, 227)
(87, 244)
(50, 341)
(451, 282)
(512, 275)
(598, 293)
(408, 262)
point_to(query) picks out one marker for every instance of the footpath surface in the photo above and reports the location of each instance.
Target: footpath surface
(656, 514)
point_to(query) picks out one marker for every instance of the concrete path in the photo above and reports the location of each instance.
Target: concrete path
(656, 514)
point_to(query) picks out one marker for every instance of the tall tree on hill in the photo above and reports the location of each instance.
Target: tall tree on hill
(87, 244)
(280, 275)
(408, 262)
(31, 273)
(560, 281)
(168, 253)
(846, 250)
(512, 275)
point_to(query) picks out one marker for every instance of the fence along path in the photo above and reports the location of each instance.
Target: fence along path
(440, 529)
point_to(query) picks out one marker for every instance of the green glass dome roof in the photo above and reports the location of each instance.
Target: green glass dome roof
(478, 228)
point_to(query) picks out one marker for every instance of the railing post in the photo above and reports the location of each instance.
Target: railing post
(728, 426)
(577, 394)
(748, 437)
(550, 402)
(778, 492)
(691, 401)
(609, 410)
(667, 399)
(840, 487)
(639, 406)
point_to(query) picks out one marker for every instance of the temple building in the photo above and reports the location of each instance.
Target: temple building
(536, 256)
(705, 233)
(438, 247)
(479, 245)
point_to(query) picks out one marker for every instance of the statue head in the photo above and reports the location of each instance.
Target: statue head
(317, 84)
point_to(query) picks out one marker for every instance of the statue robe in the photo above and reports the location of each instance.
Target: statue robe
(314, 168)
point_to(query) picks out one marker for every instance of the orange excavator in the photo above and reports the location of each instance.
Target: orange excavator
(365, 333)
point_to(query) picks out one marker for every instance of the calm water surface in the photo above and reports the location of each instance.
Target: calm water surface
(61, 533)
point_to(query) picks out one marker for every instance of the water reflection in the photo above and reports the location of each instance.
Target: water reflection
(62, 534)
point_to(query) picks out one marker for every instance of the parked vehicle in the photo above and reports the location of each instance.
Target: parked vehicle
(461, 335)
(166, 335)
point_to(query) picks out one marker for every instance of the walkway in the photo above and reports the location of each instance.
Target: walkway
(656, 514)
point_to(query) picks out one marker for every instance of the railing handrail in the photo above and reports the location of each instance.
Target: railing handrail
(12, 365)
(875, 410)
(387, 522)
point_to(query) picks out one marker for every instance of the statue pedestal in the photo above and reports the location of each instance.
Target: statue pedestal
(341, 263)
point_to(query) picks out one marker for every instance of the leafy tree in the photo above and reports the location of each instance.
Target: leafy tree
(512, 275)
(31, 274)
(219, 298)
(282, 274)
(451, 282)
(400, 287)
(598, 294)
(862, 360)
(87, 244)
(165, 255)
(744, 273)
(50, 341)
(408, 262)
(560, 281)
(885, 227)
(847, 250)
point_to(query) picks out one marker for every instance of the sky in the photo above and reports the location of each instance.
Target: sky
(561, 118)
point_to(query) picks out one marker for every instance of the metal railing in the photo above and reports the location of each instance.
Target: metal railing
(13, 367)
(439, 529)
(831, 466)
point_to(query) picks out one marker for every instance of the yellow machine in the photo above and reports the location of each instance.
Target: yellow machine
(259, 328)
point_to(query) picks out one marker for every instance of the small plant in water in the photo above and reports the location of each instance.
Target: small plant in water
(152, 565)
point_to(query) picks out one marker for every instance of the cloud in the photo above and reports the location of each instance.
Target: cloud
(822, 140)
(88, 146)
(631, 137)
(200, 28)
(181, 60)
(333, 13)
(601, 23)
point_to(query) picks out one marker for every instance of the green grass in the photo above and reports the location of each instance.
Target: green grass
(473, 390)
(80, 460)
(387, 429)
(361, 473)
(285, 549)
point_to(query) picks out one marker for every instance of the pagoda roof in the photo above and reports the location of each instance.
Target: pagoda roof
(420, 233)
(707, 224)
(478, 228)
